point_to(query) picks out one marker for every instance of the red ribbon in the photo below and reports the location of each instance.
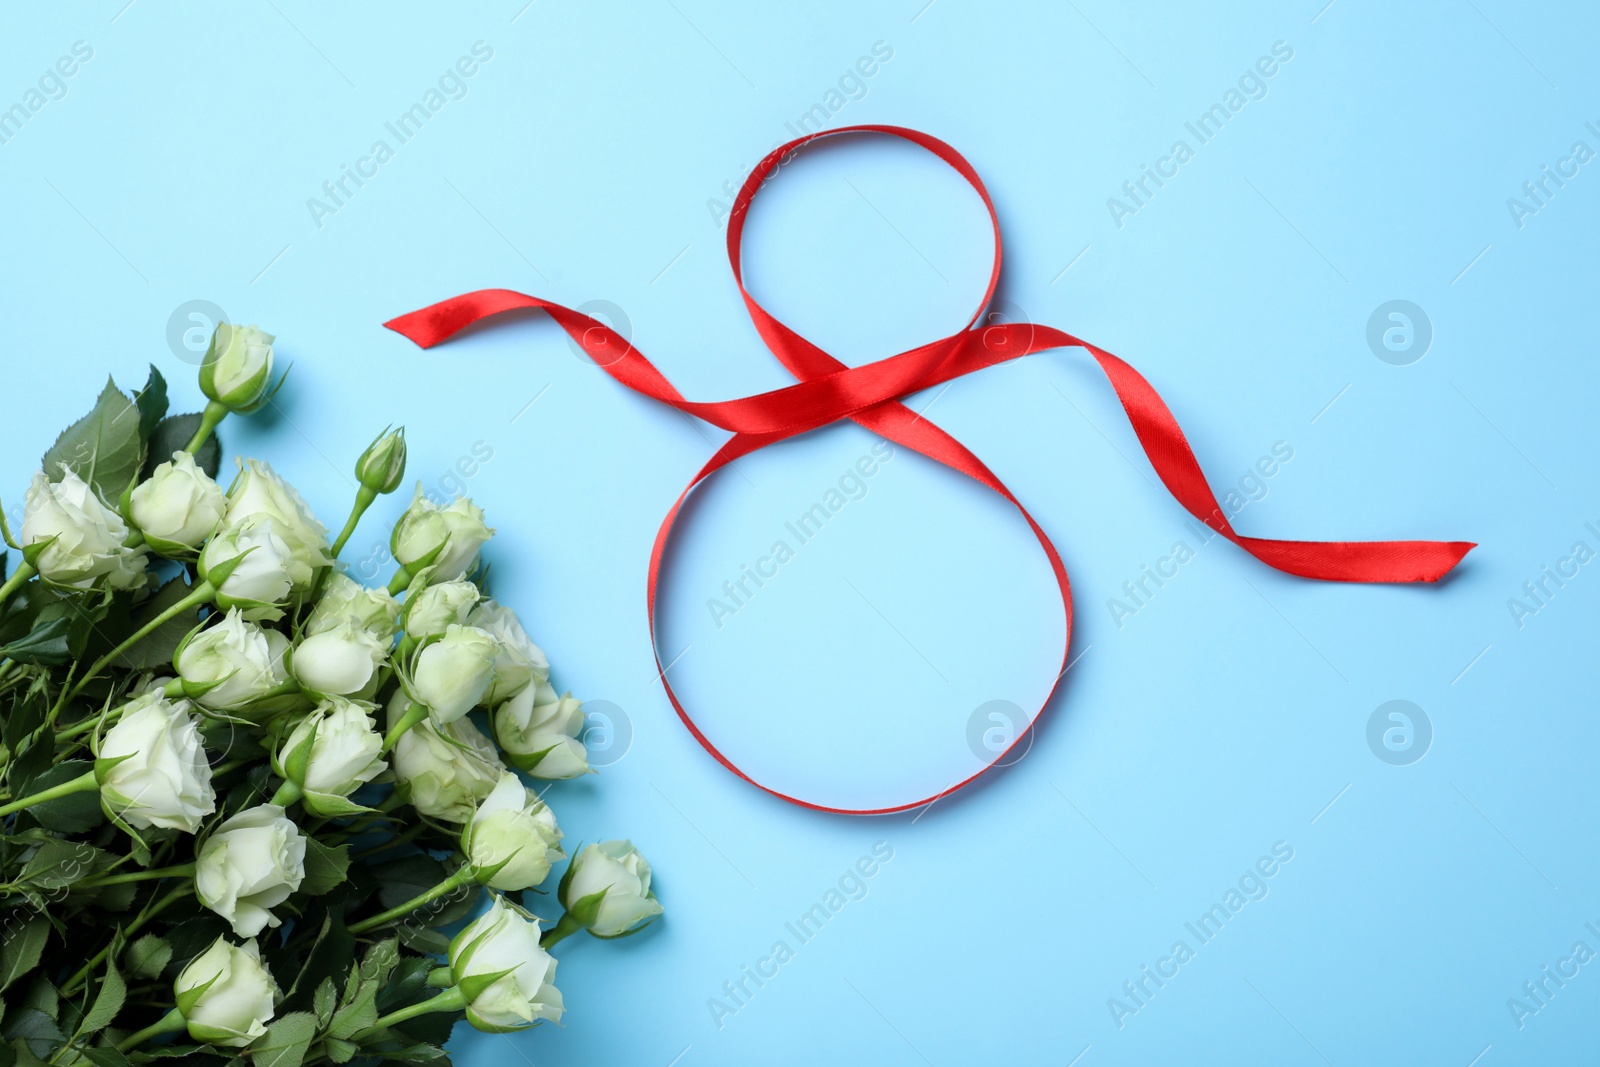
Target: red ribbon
(869, 395)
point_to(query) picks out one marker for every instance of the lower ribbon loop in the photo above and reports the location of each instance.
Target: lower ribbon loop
(869, 395)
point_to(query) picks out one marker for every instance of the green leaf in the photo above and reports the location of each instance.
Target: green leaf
(58, 863)
(407, 878)
(175, 431)
(37, 1032)
(103, 448)
(340, 1051)
(325, 1001)
(45, 644)
(148, 956)
(422, 938)
(285, 1042)
(155, 649)
(358, 1007)
(107, 1057)
(408, 982)
(22, 1056)
(152, 403)
(325, 867)
(113, 992)
(423, 1054)
(71, 814)
(20, 951)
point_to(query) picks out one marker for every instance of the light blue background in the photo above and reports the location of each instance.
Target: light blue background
(1228, 714)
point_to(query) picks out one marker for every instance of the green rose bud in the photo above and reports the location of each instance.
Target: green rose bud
(237, 371)
(383, 464)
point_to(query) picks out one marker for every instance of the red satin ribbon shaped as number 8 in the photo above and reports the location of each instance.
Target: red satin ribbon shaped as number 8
(869, 395)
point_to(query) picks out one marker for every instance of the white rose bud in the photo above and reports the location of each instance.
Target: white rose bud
(445, 539)
(607, 889)
(445, 778)
(226, 995)
(152, 767)
(232, 665)
(250, 864)
(258, 492)
(177, 507)
(539, 732)
(261, 580)
(331, 753)
(450, 675)
(343, 597)
(343, 661)
(505, 939)
(431, 611)
(237, 370)
(511, 840)
(81, 537)
(519, 662)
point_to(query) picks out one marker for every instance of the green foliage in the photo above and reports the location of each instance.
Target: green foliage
(103, 448)
(99, 914)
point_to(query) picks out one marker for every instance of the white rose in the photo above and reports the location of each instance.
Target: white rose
(262, 578)
(445, 539)
(232, 665)
(85, 537)
(225, 994)
(258, 492)
(330, 754)
(519, 662)
(431, 611)
(343, 661)
(539, 732)
(237, 370)
(505, 938)
(514, 828)
(152, 767)
(250, 864)
(446, 778)
(451, 674)
(343, 597)
(177, 507)
(607, 889)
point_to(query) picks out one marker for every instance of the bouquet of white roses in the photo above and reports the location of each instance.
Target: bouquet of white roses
(244, 800)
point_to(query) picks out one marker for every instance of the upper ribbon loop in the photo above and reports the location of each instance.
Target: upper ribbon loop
(869, 395)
